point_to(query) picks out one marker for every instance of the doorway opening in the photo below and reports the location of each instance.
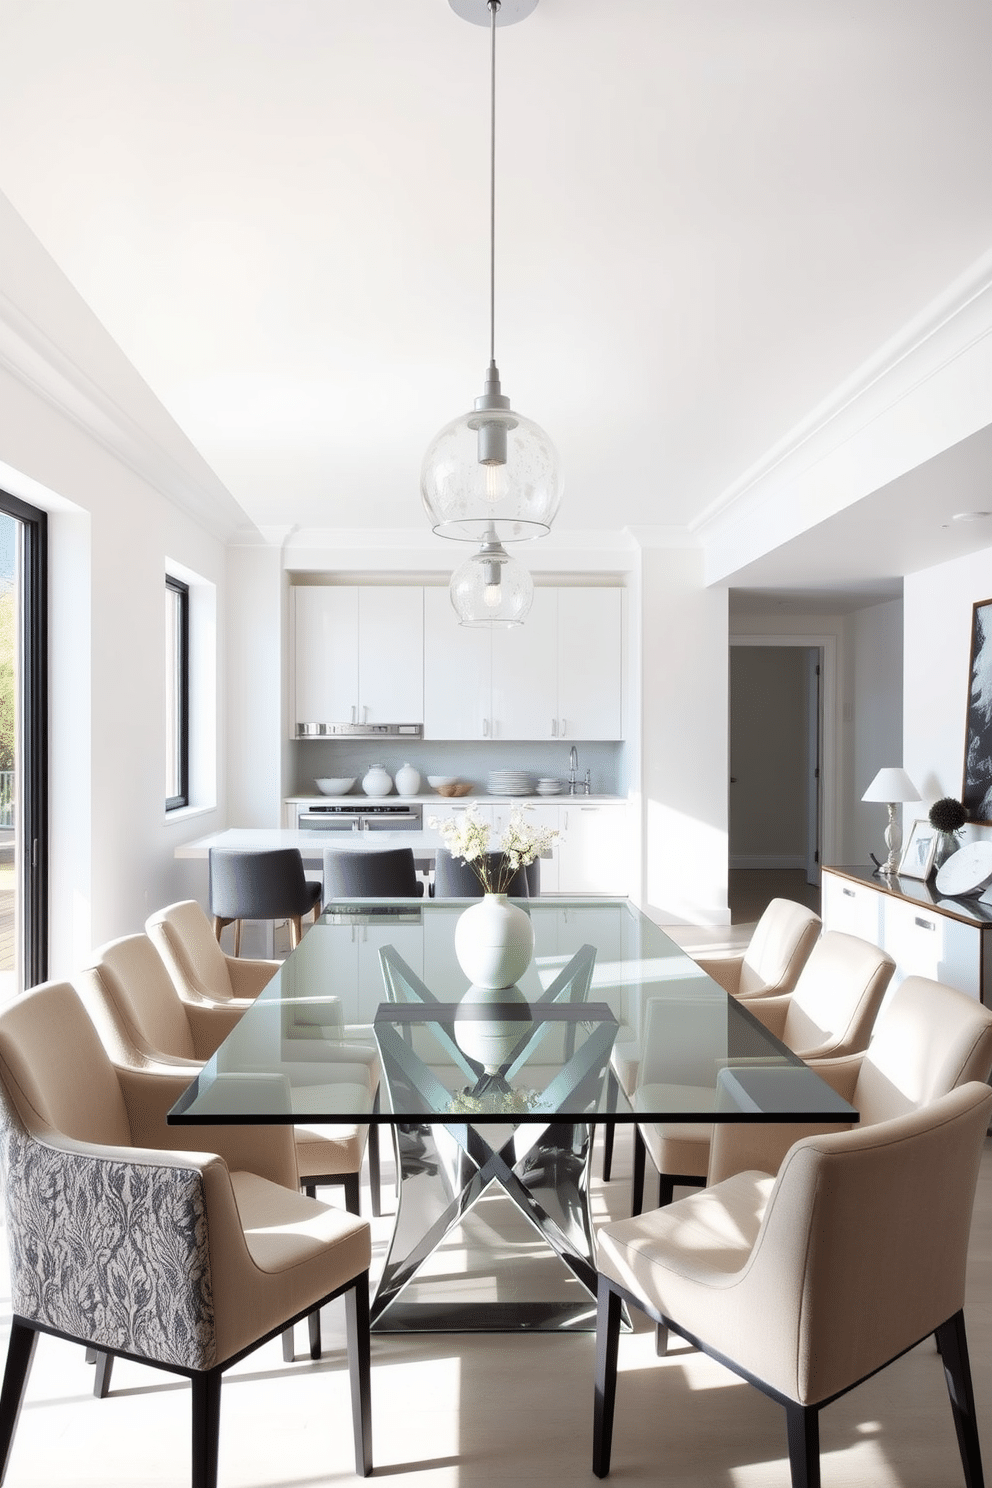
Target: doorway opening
(776, 774)
(23, 746)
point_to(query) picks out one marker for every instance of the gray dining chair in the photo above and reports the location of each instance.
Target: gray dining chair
(389, 874)
(456, 879)
(269, 885)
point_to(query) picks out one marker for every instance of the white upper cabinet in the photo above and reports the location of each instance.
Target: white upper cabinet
(457, 673)
(358, 654)
(590, 664)
(525, 673)
(557, 676)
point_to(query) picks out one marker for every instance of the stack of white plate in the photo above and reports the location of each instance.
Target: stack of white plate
(511, 783)
(548, 786)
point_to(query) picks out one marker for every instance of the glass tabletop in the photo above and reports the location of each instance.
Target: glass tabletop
(374, 993)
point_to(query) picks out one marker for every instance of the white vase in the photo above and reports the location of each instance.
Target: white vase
(377, 782)
(407, 780)
(490, 1040)
(494, 942)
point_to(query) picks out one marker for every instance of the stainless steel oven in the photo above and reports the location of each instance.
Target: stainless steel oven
(362, 816)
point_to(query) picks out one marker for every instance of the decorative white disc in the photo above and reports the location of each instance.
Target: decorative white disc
(968, 871)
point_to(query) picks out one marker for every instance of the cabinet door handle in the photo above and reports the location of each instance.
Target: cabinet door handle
(485, 728)
(554, 728)
(365, 714)
(354, 711)
(564, 728)
(848, 893)
(924, 924)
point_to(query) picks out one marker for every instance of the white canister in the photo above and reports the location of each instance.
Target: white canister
(377, 782)
(407, 780)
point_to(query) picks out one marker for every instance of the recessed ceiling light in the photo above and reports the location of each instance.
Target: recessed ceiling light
(975, 516)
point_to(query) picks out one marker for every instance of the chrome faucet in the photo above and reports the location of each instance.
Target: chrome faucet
(573, 765)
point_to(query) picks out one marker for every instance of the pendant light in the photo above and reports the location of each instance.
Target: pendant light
(491, 475)
(491, 588)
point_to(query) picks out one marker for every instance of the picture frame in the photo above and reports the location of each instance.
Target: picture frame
(976, 791)
(919, 851)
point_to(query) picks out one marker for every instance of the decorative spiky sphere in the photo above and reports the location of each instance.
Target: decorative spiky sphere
(947, 814)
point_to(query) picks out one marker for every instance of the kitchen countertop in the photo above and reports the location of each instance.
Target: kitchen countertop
(310, 843)
(358, 798)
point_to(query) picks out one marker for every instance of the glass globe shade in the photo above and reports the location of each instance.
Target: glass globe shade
(491, 470)
(491, 588)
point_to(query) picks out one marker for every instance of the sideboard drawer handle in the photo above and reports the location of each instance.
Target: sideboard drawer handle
(925, 924)
(848, 893)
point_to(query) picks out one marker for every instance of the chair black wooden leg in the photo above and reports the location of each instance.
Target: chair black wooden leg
(666, 1189)
(20, 1354)
(608, 1310)
(352, 1193)
(206, 1427)
(356, 1304)
(374, 1177)
(803, 1425)
(953, 1345)
(637, 1182)
(101, 1380)
(661, 1340)
(313, 1329)
(608, 1132)
(288, 1346)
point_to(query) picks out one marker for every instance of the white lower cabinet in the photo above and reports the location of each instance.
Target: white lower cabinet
(949, 942)
(592, 852)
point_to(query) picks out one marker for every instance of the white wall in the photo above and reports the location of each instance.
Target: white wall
(112, 530)
(938, 605)
(683, 683)
(876, 636)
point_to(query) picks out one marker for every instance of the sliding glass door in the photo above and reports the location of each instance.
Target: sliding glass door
(23, 746)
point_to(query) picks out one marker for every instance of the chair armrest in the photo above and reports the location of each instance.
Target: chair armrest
(268, 1150)
(248, 976)
(211, 1025)
(841, 1073)
(726, 970)
(771, 1011)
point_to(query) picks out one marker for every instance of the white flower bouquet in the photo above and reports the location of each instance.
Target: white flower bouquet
(467, 837)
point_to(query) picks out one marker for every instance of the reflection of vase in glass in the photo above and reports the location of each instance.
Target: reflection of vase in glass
(490, 1040)
(494, 942)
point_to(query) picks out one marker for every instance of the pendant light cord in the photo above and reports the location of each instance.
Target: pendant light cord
(493, 8)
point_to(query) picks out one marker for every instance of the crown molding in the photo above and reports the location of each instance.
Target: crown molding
(30, 356)
(949, 328)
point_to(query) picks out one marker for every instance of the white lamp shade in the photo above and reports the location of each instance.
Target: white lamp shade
(891, 784)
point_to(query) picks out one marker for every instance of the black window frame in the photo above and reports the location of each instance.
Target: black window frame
(33, 736)
(181, 590)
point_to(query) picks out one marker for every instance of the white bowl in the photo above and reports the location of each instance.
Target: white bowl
(434, 781)
(339, 787)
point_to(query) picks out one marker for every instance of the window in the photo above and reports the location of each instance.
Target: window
(23, 745)
(176, 693)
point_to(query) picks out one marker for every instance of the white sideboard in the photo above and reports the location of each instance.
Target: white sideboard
(949, 940)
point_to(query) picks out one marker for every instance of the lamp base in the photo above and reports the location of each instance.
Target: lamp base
(893, 841)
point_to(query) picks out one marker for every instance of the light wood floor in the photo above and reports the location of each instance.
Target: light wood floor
(465, 1411)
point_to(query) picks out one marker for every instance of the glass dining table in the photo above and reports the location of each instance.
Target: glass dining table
(497, 1091)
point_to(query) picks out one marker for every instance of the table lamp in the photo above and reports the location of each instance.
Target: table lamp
(892, 785)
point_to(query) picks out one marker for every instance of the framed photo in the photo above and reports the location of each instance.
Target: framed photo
(918, 854)
(976, 793)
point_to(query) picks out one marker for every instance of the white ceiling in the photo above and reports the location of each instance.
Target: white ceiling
(709, 213)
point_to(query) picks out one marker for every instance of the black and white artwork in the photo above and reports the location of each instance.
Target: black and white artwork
(976, 794)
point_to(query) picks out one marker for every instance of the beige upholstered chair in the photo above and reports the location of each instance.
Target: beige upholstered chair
(830, 1012)
(928, 1039)
(144, 1022)
(133, 1238)
(200, 970)
(807, 1283)
(777, 952)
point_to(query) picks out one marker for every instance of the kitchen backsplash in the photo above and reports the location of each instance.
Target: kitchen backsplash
(471, 760)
